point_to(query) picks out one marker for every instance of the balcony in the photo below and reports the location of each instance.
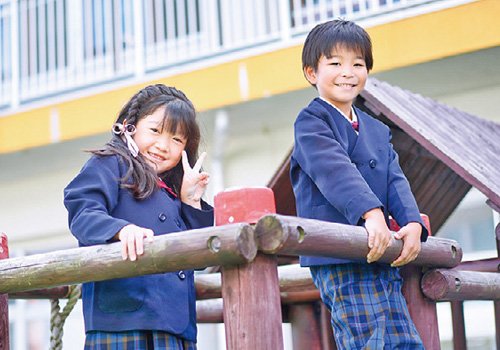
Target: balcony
(53, 47)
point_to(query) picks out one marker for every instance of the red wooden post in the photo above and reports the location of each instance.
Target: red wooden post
(327, 340)
(422, 310)
(305, 327)
(458, 320)
(496, 304)
(4, 301)
(251, 295)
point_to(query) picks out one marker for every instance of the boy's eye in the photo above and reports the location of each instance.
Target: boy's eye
(178, 139)
(155, 130)
(335, 63)
(359, 65)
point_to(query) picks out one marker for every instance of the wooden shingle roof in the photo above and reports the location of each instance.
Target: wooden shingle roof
(443, 151)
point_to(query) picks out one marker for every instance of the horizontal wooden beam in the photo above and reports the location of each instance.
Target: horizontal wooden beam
(295, 285)
(194, 249)
(448, 285)
(298, 236)
(484, 265)
(293, 281)
(208, 286)
(209, 311)
(61, 292)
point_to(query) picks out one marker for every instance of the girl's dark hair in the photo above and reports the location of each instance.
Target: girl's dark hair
(180, 116)
(325, 37)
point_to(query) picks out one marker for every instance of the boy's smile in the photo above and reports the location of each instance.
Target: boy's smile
(340, 78)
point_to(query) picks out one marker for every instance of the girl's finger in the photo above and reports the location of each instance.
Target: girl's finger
(199, 162)
(204, 176)
(149, 235)
(131, 247)
(185, 162)
(139, 244)
(124, 249)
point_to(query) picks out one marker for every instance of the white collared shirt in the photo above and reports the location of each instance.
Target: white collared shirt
(353, 112)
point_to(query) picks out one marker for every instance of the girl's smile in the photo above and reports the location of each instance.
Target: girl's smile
(162, 149)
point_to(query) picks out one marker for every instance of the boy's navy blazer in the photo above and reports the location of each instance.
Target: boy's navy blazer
(98, 208)
(338, 175)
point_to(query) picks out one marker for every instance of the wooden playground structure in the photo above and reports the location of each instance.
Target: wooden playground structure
(257, 284)
(253, 294)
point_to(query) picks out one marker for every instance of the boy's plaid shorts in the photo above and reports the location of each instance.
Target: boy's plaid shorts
(136, 340)
(367, 306)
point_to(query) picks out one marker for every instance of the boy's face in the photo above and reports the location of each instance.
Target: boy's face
(340, 78)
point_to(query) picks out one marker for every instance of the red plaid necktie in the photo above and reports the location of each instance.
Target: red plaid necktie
(355, 126)
(162, 184)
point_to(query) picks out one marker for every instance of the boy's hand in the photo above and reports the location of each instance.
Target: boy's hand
(379, 235)
(194, 182)
(132, 238)
(410, 235)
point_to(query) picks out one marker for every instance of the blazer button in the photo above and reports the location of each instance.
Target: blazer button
(162, 217)
(181, 275)
(373, 163)
(177, 222)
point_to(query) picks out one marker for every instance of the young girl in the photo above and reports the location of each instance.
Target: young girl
(143, 182)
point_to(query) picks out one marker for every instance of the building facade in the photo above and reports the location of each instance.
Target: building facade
(67, 66)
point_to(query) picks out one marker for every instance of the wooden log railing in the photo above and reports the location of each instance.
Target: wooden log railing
(278, 234)
(450, 285)
(237, 244)
(195, 249)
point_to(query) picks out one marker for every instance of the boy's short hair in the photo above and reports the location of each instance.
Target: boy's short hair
(323, 38)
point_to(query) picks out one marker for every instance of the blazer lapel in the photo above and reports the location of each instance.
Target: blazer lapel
(358, 145)
(344, 128)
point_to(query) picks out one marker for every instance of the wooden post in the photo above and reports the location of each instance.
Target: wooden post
(327, 340)
(496, 304)
(299, 236)
(4, 302)
(422, 310)
(305, 327)
(457, 317)
(194, 249)
(251, 296)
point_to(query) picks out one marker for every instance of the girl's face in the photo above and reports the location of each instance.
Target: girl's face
(160, 148)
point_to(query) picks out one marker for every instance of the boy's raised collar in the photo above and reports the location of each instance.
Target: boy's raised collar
(353, 112)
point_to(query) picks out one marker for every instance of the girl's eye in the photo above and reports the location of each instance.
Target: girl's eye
(335, 63)
(179, 140)
(155, 130)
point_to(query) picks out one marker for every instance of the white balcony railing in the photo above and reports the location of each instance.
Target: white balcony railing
(49, 47)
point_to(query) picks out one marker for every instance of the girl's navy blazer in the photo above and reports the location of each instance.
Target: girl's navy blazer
(98, 208)
(338, 175)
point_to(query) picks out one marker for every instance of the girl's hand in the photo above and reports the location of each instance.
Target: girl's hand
(132, 238)
(194, 182)
(379, 236)
(410, 235)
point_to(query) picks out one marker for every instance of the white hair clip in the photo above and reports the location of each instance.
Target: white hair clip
(125, 131)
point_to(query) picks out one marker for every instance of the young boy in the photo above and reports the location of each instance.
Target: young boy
(344, 170)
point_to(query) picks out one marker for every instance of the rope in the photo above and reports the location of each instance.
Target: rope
(58, 318)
